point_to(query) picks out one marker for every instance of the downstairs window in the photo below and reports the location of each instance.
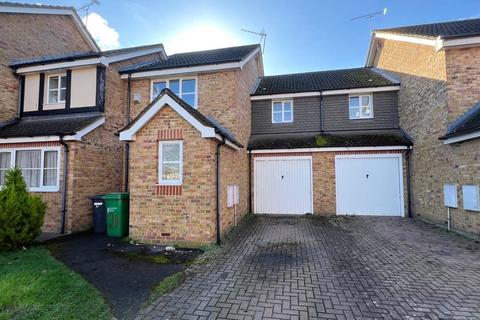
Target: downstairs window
(40, 167)
(170, 163)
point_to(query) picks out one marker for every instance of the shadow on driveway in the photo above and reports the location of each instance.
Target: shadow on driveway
(125, 282)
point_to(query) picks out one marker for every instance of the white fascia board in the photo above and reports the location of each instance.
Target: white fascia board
(387, 148)
(135, 54)
(461, 42)
(326, 93)
(227, 142)
(80, 134)
(250, 56)
(370, 52)
(463, 137)
(411, 39)
(128, 135)
(35, 9)
(192, 70)
(186, 70)
(62, 65)
(30, 139)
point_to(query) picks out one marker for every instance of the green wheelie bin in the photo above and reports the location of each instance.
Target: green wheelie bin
(117, 214)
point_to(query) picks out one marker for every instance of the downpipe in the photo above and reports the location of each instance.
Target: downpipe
(409, 188)
(64, 186)
(217, 173)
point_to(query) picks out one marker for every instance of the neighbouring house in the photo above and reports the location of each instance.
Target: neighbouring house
(329, 143)
(188, 167)
(63, 102)
(439, 98)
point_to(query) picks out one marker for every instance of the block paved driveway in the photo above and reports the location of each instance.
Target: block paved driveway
(340, 268)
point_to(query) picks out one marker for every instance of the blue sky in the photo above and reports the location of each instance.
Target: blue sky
(302, 35)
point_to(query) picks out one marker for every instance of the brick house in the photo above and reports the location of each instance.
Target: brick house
(437, 65)
(329, 143)
(188, 169)
(62, 102)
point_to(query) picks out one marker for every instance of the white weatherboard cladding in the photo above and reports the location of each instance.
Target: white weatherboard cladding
(369, 185)
(283, 185)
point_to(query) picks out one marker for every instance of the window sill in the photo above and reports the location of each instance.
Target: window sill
(168, 184)
(44, 190)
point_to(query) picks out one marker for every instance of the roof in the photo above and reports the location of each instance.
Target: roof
(198, 58)
(48, 125)
(78, 55)
(28, 8)
(444, 30)
(467, 123)
(204, 120)
(322, 81)
(367, 138)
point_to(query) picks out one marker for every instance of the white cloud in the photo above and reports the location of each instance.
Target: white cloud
(200, 36)
(106, 37)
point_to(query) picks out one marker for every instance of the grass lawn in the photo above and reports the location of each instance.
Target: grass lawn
(33, 285)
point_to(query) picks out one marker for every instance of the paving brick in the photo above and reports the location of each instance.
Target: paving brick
(310, 268)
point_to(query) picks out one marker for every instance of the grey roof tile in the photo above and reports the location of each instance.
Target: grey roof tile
(48, 125)
(189, 59)
(322, 81)
(445, 30)
(467, 123)
(206, 121)
(367, 138)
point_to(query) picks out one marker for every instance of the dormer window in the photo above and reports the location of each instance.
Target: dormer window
(360, 107)
(57, 88)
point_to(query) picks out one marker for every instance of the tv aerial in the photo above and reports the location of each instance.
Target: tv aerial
(370, 17)
(86, 6)
(262, 34)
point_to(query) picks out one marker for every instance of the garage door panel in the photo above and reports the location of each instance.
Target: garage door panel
(283, 185)
(369, 185)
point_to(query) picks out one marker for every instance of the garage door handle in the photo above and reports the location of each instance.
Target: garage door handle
(282, 177)
(367, 176)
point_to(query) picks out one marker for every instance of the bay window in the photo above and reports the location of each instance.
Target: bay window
(170, 163)
(40, 167)
(184, 88)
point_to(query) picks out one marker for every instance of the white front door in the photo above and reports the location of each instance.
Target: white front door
(283, 185)
(369, 185)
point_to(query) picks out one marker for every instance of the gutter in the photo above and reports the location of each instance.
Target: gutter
(64, 186)
(217, 174)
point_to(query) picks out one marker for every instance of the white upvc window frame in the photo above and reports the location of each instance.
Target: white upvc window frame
(161, 181)
(58, 88)
(283, 111)
(13, 153)
(359, 96)
(167, 85)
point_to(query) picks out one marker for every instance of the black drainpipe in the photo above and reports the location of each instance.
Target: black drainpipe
(409, 190)
(127, 145)
(64, 187)
(249, 181)
(321, 113)
(217, 155)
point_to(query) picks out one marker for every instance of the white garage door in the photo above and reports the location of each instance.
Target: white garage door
(283, 185)
(369, 185)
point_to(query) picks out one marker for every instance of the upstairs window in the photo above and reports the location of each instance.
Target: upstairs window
(40, 168)
(57, 88)
(184, 88)
(170, 159)
(282, 111)
(360, 107)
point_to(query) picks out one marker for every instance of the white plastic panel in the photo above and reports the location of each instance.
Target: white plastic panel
(471, 197)
(450, 195)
